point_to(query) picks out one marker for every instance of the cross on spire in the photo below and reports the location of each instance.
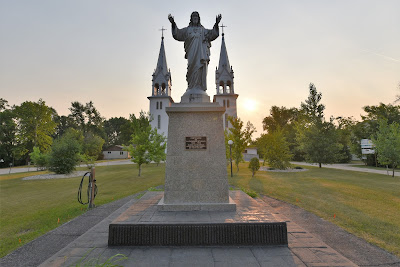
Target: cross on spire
(222, 28)
(162, 31)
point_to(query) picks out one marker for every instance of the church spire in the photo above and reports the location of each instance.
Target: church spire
(162, 60)
(162, 75)
(224, 72)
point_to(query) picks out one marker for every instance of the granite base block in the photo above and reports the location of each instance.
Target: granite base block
(231, 206)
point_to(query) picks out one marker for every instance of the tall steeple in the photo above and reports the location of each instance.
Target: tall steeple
(162, 76)
(161, 92)
(224, 73)
(225, 96)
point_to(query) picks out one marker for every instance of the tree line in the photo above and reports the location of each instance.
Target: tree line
(304, 134)
(34, 132)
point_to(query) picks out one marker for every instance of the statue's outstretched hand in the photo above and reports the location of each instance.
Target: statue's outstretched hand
(171, 19)
(218, 19)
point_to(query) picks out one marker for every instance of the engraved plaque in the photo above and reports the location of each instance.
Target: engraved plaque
(196, 143)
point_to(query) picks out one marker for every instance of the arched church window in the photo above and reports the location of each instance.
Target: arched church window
(221, 87)
(160, 105)
(227, 103)
(163, 89)
(157, 105)
(159, 121)
(156, 89)
(226, 121)
(228, 87)
(224, 102)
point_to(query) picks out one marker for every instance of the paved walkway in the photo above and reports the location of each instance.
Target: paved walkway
(33, 169)
(68, 243)
(304, 249)
(348, 167)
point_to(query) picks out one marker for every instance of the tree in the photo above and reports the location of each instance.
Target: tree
(276, 150)
(38, 158)
(312, 110)
(8, 130)
(319, 142)
(140, 146)
(241, 138)
(92, 145)
(284, 119)
(316, 138)
(65, 154)
(387, 143)
(146, 144)
(87, 118)
(35, 125)
(280, 117)
(158, 145)
(113, 128)
(254, 165)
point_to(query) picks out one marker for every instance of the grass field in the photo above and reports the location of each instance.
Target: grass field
(365, 204)
(31, 208)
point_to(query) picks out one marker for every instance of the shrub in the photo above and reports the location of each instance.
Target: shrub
(254, 165)
(64, 155)
(38, 158)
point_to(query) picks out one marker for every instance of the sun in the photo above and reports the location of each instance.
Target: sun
(250, 104)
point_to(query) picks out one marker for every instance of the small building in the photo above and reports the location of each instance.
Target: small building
(249, 153)
(115, 152)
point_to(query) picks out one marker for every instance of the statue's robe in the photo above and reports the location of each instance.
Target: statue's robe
(197, 42)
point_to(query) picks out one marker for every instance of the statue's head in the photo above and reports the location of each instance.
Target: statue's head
(195, 19)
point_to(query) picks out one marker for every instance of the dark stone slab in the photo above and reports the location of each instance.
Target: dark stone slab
(197, 234)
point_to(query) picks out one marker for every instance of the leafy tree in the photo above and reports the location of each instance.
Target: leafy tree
(279, 118)
(254, 165)
(284, 119)
(387, 143)
(276, 150)
(35, 124)
(318, 139)
(312, 110)
(369, 126)
(146, 144)
(140, 146)
(87, 118)
(158, 145)
(38, 158)
(65, 154)
(92, 145)
(241, 138)
(319, 142)
(113, 128)
(63, 124)
(8, 130)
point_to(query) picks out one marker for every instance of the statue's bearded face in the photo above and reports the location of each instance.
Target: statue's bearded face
(195, 18)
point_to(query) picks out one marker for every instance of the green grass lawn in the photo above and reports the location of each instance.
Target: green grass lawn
(376, 168)
(29, 209)
(365, 204)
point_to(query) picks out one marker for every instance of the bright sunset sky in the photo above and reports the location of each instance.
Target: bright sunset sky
(106, 51)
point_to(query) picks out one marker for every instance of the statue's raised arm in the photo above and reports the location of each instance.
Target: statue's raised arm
(171, 19)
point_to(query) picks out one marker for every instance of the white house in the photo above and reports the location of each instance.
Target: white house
(115, 152)
(249, 153)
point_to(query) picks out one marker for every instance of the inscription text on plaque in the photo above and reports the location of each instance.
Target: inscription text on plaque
(196, 143)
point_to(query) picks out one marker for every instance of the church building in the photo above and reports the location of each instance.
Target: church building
(225, 95)
(161, 93)
(161, 90)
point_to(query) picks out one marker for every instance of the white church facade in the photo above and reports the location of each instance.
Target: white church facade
(161, 90)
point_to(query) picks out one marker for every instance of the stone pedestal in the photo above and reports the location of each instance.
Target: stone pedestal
(196, 176)
(195, 96)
